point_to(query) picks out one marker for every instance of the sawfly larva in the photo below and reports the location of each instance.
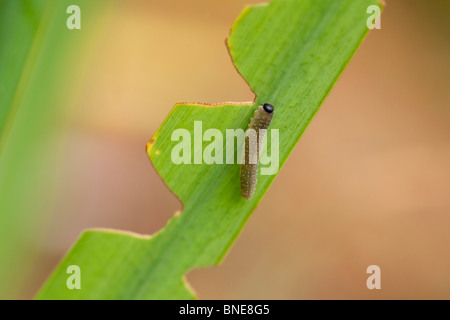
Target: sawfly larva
(249, 168)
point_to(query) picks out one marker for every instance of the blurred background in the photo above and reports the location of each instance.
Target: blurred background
(373, 168)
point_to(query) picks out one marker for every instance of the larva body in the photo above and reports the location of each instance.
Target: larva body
(249, 169)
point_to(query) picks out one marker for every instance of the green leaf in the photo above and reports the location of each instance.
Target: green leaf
(36, 75)
(291, 52)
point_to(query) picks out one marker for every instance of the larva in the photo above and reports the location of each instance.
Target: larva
(249, 167)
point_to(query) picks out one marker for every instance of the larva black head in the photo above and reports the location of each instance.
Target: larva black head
(268, 107)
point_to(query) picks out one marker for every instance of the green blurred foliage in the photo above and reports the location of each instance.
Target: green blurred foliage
(38, 56)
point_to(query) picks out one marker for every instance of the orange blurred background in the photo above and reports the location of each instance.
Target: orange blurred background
(369, 182)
